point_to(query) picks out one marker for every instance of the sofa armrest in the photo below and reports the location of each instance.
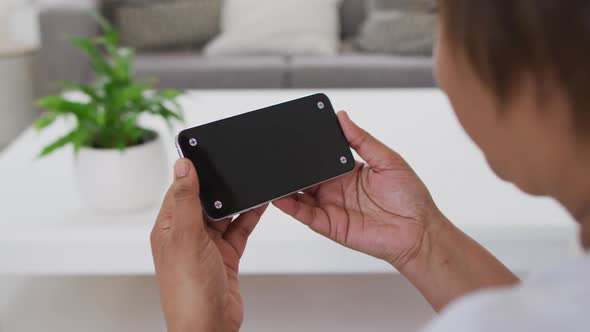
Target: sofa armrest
(57, 60)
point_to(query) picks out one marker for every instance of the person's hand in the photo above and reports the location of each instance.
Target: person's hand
(382, 208)
(197, 261)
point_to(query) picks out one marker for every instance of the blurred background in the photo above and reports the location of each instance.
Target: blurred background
(74, 245)
(195, 45)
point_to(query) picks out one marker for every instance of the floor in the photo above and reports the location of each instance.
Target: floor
(372, 303)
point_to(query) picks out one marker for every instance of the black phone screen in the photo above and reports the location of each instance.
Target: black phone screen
(256, 157)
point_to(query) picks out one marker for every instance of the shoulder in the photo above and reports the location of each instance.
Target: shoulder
(517, 309)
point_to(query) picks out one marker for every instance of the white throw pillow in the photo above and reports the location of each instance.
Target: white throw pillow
(284, 27)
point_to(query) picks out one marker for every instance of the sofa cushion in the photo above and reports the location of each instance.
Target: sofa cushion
(352, 15)
(361, 71)
(287, 27)
(398, 32)
(168, 24)
(192, 71)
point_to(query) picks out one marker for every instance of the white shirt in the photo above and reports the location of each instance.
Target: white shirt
(554, 300)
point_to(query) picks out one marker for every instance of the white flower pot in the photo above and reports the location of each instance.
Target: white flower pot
(120, 181)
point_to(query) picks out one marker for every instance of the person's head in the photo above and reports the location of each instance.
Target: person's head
(518, 76)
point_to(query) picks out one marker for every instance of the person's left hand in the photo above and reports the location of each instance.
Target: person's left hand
(197, 261)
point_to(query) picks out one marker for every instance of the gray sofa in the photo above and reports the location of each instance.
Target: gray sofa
(189, 70)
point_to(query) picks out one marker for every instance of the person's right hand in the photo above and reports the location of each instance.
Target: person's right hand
(382, 208)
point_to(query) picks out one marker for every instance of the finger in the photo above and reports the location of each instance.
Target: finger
(305, 198)
(218, 226)
(182, 205)
(375, 153)
(238, 231)
(313, 190)
(307, 214)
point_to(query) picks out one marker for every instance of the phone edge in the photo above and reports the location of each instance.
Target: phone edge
(274, 199)
(178, 148)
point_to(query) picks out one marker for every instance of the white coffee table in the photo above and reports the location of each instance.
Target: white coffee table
(46, 230)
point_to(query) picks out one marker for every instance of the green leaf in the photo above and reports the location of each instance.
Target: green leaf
(168, 94)
(122, 63)
(80, 138)
(120, 145)
(59, 143)
(130, 123)
(82, 88)
(111, 37)
(59, 104)
(120, 98)
(46, 120)
(169, 114)
(125, 95)
(136, 134)
(98, 61)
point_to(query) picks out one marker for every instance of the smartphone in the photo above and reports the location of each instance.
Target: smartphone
(254, 158)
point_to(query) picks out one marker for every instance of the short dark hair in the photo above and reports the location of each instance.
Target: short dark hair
(504, 39)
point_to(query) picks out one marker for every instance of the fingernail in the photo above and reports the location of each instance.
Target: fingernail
(181, 168)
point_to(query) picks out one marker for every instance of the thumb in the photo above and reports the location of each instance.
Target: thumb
(376, 154)
(182, 201)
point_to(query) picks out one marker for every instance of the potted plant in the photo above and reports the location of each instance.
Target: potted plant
(120, 165)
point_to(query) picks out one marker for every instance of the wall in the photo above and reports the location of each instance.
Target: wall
(18, 19)
(18, 25)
